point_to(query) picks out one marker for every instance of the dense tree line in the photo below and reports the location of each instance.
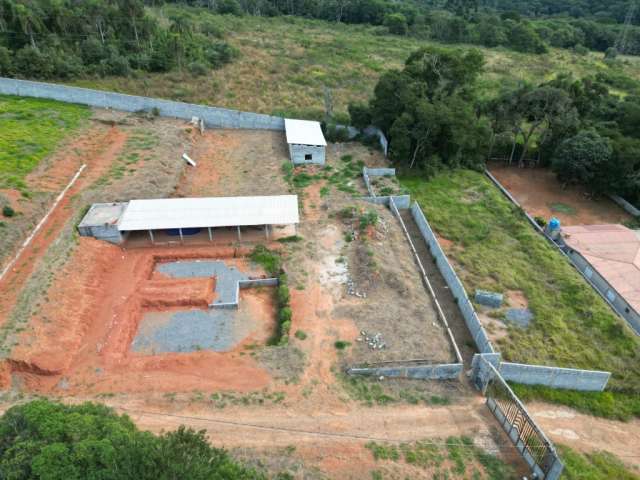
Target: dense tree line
(45, 440)
(607, 10)
(515, 24)
(433, 119)
(69, 38)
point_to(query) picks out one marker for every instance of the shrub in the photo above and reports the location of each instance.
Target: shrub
(540, 221)
(269, 260)
(197, 69)
(283, 295)
(6, 62)
(367, 219)
(300, 335)
(335, 134)
(8, 211)
(284, 315)
(341, 344)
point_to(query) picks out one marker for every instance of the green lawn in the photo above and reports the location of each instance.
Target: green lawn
(31, 129)
(496, 249)
(285, 63)
(594, 466)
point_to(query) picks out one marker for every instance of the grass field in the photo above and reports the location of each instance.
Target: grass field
(285, 63)
(496, 249)
(31, 128)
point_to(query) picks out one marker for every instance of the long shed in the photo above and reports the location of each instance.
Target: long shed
(180, 217)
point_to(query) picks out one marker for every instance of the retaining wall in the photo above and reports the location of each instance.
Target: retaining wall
(555, 377)
(401, 201)
(471, 319)
(423, 372)
(212, 116)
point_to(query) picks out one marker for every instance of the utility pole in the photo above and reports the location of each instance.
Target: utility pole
(623, 39)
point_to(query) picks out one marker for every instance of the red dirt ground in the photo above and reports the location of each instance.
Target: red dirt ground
(86, 327)
(97, 147)
(537, 189)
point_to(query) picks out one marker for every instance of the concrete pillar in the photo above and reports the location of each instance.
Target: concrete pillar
(210, 234)
(151, 236)
(239, 234)
(266, 231)
(181, 237)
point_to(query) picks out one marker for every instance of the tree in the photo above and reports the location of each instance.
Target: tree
(427, 110)
(396, 23)
(360, 115)
(48, 440)
(579, 159)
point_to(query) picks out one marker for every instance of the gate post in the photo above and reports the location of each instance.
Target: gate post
(482, 373)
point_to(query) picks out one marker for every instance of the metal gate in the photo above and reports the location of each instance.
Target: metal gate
(536, 449)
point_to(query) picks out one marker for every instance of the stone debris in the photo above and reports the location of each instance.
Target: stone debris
(351, 289)
(374, 342)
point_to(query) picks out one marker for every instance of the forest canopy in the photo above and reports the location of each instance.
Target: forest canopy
(520, 25)
(70, 38)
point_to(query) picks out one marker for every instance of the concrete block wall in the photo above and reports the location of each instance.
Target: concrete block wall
(401, 201)
(423, 372)
(258, 282)
(298, 152)
(555, 377)
(380, 172)
(610, 294)
(212, 116)
(472, 321)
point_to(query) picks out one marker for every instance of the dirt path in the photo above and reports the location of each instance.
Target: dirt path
(587, 434)
(443, 293)
(334, 438)
(98, 148)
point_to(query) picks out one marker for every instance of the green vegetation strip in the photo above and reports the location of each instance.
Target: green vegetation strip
(457, 457)
(31, 128)
(496, 249)
(271, 262)
(593, 466)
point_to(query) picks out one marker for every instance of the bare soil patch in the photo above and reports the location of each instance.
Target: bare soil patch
(227, 159)
(540, 194)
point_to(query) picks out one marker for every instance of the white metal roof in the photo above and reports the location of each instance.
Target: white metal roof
(304, 132)
(209, 212)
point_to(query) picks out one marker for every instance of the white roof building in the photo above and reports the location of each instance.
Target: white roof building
(172, 213)
(306, 141)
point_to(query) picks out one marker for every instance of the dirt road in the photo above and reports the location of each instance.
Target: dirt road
(587, 434)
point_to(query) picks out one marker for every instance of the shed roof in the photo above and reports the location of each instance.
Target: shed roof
(614, 251)
(304, 132)
(209, 212)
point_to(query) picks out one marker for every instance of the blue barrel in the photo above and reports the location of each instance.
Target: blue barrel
(175, 232)
(554, 224)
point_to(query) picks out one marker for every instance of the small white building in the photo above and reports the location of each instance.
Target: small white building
(306, 142)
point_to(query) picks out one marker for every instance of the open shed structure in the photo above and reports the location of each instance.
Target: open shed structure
(306, 142)
(180, 218)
